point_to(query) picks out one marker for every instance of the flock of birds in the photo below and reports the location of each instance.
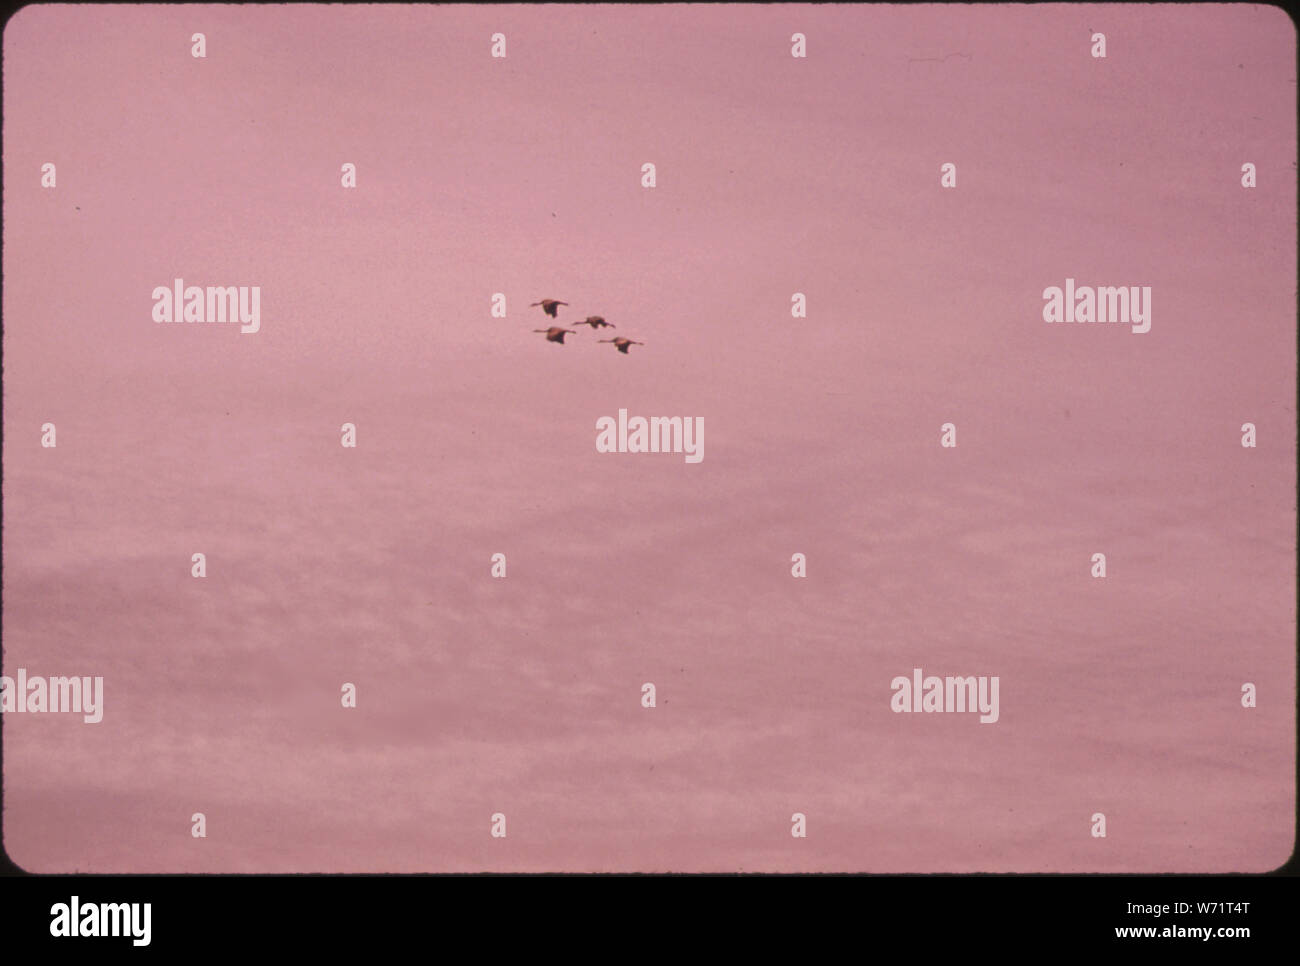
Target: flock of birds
(556, 333)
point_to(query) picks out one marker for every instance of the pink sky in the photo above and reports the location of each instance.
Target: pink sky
(475, 436)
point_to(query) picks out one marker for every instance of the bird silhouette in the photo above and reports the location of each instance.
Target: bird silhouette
(596, 322)
(621, 343)
(557, 333)
(549, 306)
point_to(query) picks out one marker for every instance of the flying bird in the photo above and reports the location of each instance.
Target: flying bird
(596, 322)
(549, 306)
(621, 343)
(556, 333)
